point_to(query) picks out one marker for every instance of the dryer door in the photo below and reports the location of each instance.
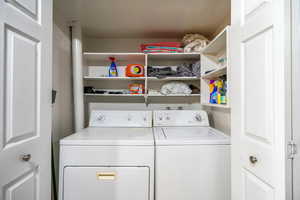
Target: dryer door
(113, 183)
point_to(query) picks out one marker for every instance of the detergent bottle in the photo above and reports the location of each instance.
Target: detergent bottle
(113, 72)
(213, 92)
(223, 93)
(219, 85)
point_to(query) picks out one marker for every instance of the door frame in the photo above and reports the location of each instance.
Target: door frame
(295, 50)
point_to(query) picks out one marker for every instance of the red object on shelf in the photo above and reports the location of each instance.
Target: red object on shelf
(164, 44)
(162, 51)
(112, 59)
(155, 46)
(135, 70)
(136, 88)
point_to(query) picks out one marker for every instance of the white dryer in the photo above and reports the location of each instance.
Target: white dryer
(112, 159)
(192, 159)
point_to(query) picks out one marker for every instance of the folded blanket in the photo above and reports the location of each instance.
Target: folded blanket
(162, 47)
(162, 51)
(164, 44)
(170, 46)
(160, 72)
(187, 70)
(183, 70)
(175, 88)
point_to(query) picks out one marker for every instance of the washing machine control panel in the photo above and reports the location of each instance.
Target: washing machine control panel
(105, 118)
(180, 118)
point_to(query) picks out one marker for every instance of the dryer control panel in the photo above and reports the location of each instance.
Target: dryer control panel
(113, 118)
(180, 118)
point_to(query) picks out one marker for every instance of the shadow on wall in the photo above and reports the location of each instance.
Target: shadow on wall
(62, 111)
(219, 119)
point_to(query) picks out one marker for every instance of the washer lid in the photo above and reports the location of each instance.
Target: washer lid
(189, 136)
(111, 137)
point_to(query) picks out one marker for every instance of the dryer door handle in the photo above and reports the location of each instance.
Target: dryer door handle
(106, 175)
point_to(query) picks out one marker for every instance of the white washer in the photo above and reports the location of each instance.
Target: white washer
(192, 159)
(112, 159)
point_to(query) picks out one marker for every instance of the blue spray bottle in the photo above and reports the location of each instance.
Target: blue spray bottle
(113, 72)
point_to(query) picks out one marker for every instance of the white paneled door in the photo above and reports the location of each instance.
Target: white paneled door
(260, 99)
(25, 99)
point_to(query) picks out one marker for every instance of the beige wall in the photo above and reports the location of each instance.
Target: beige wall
(219, 119)
(62, 122)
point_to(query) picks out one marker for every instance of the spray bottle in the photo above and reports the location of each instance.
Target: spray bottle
(113, 72)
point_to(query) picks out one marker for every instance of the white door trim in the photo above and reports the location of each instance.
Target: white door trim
(294, 181)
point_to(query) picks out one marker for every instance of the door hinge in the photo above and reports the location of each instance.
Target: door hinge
(292, 149)
(54, 92)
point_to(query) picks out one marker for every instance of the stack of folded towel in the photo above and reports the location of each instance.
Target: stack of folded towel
(162, 47)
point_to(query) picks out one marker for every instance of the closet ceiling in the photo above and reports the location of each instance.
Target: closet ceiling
(146, 18)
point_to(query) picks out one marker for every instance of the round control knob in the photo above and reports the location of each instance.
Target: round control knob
(198, 118)
(100, 118)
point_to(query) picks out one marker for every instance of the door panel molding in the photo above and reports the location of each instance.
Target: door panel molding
(250, 8)
(258, 86)
(28, 182)
(30, 8)
(21, 86)
(255, 188)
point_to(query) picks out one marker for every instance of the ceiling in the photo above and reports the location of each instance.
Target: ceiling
(146, 18)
